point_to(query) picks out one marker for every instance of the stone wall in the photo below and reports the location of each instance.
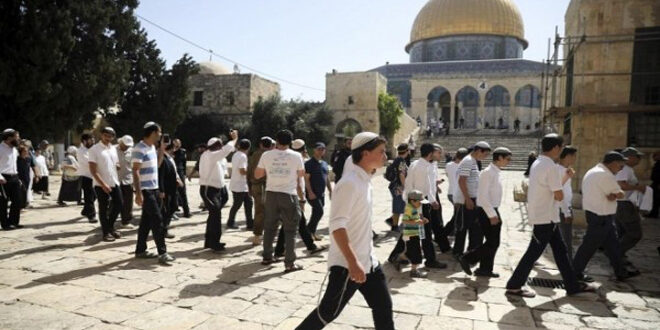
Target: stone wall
(355, 96)
(219, 90)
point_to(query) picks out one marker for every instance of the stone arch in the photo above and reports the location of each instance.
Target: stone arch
(467, 105)
(497, 106)
(347, 127)
(438, 104)
(528, 107)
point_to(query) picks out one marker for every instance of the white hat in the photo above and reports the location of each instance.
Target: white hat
(127, 140)
(213, 141)
(362, 139)
(297, 144)
(482, 145)
(71, 150)
(149, 124)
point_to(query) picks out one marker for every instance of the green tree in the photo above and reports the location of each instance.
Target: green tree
(199, 129)
(61, 61)
(390, 112)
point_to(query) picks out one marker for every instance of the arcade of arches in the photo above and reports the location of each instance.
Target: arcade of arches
(468, 108)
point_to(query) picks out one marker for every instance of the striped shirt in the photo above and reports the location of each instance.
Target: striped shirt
(467, 168)
(146, 156)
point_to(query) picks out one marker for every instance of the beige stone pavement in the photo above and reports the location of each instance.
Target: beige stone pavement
(58, 274)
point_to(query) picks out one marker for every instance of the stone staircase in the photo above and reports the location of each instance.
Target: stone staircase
(520, 145)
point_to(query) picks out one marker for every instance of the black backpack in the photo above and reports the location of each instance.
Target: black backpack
(390, 172)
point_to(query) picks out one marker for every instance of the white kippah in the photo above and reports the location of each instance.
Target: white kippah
(149, 124)
(213, 141)
(362, 139)
(482, 145)
(297, 144)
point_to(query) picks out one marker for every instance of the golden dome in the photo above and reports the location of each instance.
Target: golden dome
(441, 18)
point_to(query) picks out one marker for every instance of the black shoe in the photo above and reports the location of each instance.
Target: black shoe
(278, 255)
(418, 273)
(482, 273)
(18, 226)
(92, 220)
(232, 226)
(389, 221)
(435, 265)
(8, 228)
(317, 250)
(108, 238)
(170, 236)
(249, 228)
(464, 265)
(218, 250)
(61, 204)
(115, 234)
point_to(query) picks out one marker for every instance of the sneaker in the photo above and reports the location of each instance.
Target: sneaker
(418, 273)
(165, 259)
(116, 234)
(146, 255)
(585, 278)
(435, 265)
(175, 217)
(108, 238)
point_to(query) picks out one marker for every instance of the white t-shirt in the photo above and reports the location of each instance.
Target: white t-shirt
(238, 181)
(106, 160)
(282, 168)
(627, 174)
(40, 164)
(452, 177)
(568, 192)
(544, 180)
(83, 161)
(597, 183)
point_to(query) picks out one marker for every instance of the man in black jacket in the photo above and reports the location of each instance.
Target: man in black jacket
(180, 159)
(339, 158)
(655, 177)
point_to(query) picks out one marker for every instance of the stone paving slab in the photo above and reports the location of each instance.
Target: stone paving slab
(56, 273)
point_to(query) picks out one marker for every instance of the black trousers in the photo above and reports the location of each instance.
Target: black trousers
(439, 231)
(601, 231)
(464, 222)
(410, 248)
(151, 220)
(341, 289)
(212, 200)
(449, 226)
(89, 209)
(127, 208)
(485, 253)
(305, 235)
(182, 195)
(241, 199)
(108, 213)
(317, 212)
(542, 236)
(224, 196)
(427, 243)
(656, 200)
(11, 191)
(169, 207)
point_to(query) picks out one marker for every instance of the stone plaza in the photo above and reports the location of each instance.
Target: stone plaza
(56, 273)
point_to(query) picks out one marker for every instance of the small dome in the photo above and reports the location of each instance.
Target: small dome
(443, 18)
(212, 68)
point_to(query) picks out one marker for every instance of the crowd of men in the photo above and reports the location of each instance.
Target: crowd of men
(279, 178)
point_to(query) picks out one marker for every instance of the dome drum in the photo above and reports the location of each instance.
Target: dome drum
(468, 47)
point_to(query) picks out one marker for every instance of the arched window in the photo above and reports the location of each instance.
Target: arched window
(348, 128)
(496, 108)
(528, 96)
(467, 102)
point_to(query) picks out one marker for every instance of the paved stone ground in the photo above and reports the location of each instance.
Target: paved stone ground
(57, 273)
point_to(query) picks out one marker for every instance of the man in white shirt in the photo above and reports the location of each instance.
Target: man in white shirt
(600, 191)
(211, 182)
(125, 153)
(543, 198)
(86, 181)
(566, 172)
(284, 169)
(452, 178)
(628, 220)
(103, 162)
(351, 260)
(239, 185)
(422, 177)
(10, 185)
(465, 199)
(489, 198)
